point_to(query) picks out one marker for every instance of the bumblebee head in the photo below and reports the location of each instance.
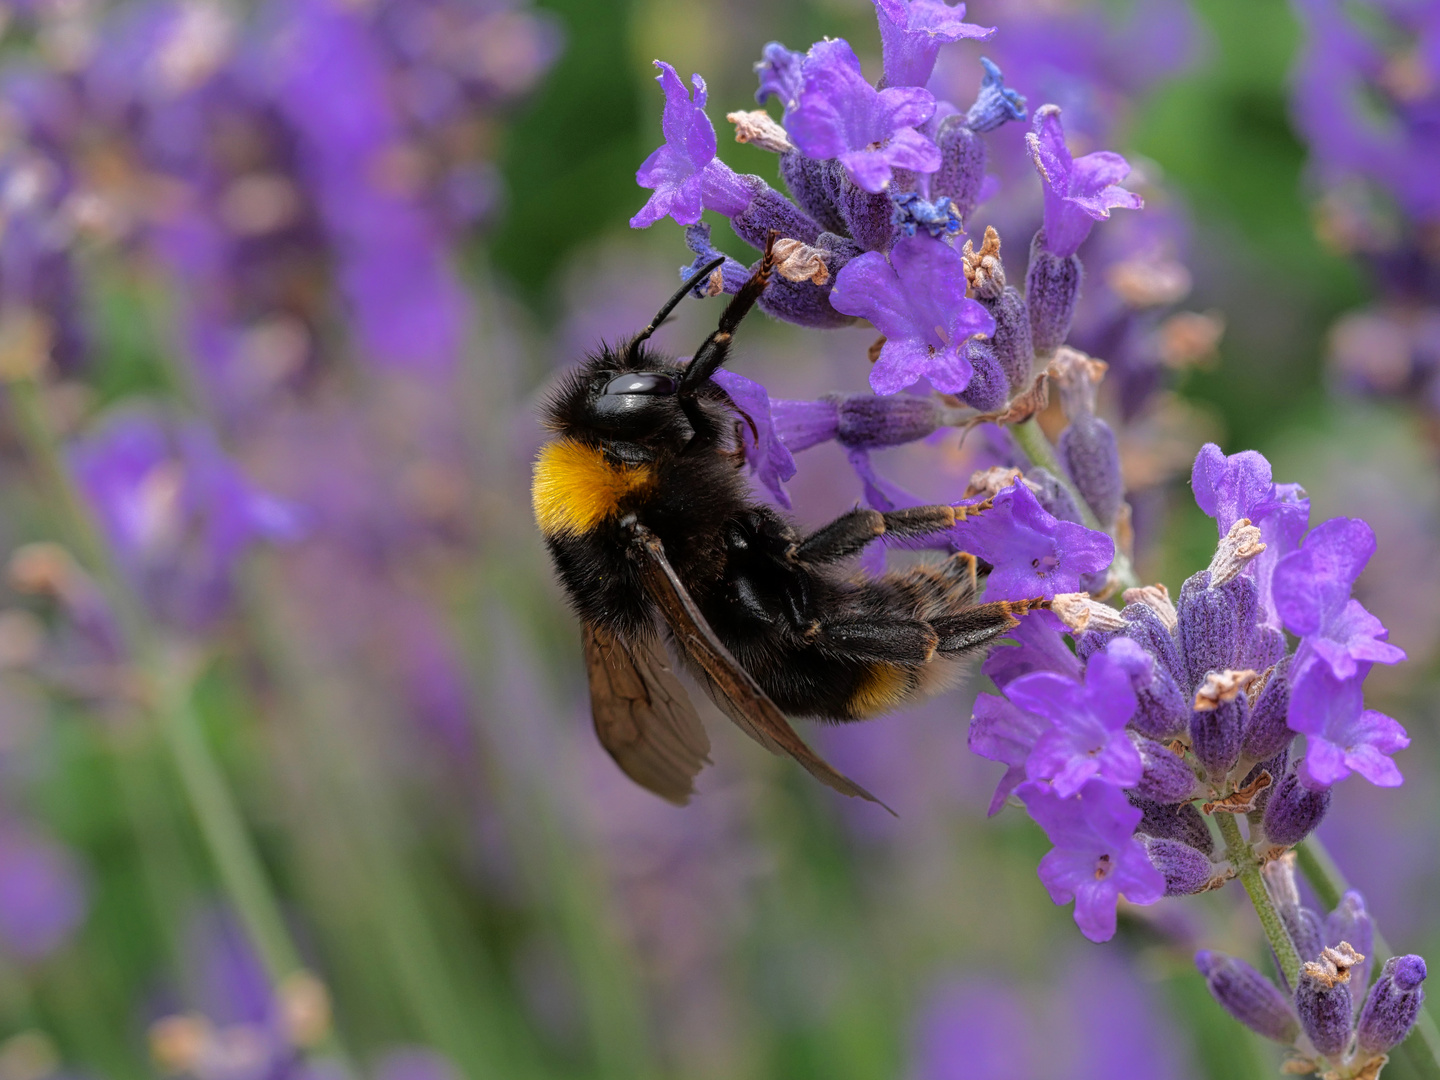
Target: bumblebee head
(637, 397)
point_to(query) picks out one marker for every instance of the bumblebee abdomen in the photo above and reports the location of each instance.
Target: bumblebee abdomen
(576, 489)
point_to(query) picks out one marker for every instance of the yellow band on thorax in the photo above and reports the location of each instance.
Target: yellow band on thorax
(575, 488)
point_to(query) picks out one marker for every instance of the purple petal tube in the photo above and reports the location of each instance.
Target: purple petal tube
(988, 389)
(1206, 628)
(1266, 732)
(1167, 779)
(1052, 286)
(962, 165)
(1248, 996)
(1091, 456)
(1012, 342)
(869, 216)
(768, 209)
(806, 179)
(1393, 1004)
(1215, 735)
(1293, 811)
(1174, 821)
(1325, 1013)
(1186, 870)
(870, 421)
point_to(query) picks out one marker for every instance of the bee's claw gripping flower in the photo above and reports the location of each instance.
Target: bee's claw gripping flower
(911, 33)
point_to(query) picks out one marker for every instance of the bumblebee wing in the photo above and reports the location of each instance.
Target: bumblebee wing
(734, 690)
(643, 716)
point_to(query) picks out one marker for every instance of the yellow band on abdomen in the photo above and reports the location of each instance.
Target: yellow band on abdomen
(575, 488)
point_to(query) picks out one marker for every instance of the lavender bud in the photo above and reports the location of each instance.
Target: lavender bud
(1293, 811)
(994, 105)
(804, 302)
(1217, 723)
(1054, 496)
(1052, 285)
(1267, 732)
(1248, 996)
(868, 216)
(962, 165)
(805, 177)
(1166, 779)
(1393, 1005)
(1306, 931)
(1147, 627)
(1174, 821)
(1186, 870)
(1091, 456)
(988, 388)
(1206, 628)
(1351, 922)
(869, 421)
(768, 210)
(1011, 340)
(1322, 1001)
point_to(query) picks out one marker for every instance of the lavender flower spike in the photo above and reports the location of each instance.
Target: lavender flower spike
(1096, 857)
(684, 173)
(911, 33)
(1341, 734)
(871, 132)
(1078, 193)
(917, 300)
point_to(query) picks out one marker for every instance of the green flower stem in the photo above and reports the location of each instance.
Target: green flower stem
(216, 811)
(1247, 868)
(1422, 1049)
(1042, 455)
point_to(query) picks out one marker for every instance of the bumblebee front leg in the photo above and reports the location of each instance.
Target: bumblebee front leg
(713, 351)
(981, 624)
(849, 533)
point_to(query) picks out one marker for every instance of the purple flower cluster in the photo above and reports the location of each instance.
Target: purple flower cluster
(1328, 1018)
(1165, 705)
(882, 181)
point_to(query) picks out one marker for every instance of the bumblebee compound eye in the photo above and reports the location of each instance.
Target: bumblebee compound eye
(642, 382)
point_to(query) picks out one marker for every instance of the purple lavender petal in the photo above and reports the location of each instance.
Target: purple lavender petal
(1077, 192)
(917, 300)
(769, 458)
(1001, 731)
(1341, 734)
(911, 33)
(1096, 857)
(840, 115)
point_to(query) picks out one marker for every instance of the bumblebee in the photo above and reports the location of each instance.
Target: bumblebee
(649, 520)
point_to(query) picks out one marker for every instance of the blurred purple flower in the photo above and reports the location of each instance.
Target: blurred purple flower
(1096, 858)
(911, 33)
(1312, 597)
(917, 300)
(415, 1063)
(1341, 734)
(1032, 552)
(780, 73)
(1077, 192)
(872, 132)
(42, 893)
(975, 1030)
(178, 513)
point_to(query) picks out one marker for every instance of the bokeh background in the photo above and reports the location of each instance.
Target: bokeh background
(281, 285)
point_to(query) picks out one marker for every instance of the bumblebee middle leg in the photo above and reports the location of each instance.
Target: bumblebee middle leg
(849, 533)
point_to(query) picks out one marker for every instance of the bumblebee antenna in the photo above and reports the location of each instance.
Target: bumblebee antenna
(670, 305)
